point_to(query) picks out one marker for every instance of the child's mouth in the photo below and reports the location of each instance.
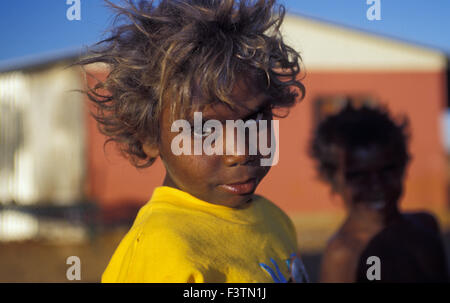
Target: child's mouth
(240, 188)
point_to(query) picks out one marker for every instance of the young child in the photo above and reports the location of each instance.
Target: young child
(170, 60)
(362, 154)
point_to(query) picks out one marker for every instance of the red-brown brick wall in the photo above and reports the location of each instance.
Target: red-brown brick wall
(292, 183)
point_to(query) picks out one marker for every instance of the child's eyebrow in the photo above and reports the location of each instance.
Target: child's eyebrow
(266, 103)
(263, 106)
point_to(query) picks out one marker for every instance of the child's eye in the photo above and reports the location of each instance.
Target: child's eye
(259, 116)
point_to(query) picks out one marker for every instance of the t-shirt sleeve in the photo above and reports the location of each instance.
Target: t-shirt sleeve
(154, 256)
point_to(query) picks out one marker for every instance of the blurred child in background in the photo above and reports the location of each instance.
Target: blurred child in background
(363, 155)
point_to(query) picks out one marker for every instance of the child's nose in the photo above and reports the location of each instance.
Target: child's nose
(375, 181)
(239, 150)
(235, 159)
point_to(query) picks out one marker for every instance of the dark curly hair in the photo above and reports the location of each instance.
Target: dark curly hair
(357, 127)
(170, 52)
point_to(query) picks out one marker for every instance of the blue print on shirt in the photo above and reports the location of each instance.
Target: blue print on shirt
(295, 268)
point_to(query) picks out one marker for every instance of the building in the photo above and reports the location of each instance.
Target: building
(339, 62)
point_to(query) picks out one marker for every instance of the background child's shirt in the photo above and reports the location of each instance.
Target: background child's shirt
(408, 253)
(179, 238)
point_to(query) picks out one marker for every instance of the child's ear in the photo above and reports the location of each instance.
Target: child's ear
(151, 150)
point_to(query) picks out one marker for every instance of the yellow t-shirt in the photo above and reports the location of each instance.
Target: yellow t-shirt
(179, 238)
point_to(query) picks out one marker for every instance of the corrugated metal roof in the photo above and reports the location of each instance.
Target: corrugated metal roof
(330, 47)
(40, 60)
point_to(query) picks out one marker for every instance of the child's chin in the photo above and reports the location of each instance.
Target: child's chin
(240, 201)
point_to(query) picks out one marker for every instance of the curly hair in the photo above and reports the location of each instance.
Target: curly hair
(353, 128)
(180, 50)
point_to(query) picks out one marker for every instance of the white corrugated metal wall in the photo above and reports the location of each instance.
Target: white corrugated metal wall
(42, 140)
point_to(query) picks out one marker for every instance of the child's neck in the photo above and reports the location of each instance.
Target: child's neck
(169, 182)
(365, 218)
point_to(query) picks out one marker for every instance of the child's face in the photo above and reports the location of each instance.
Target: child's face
(212, 178)
(370, 175)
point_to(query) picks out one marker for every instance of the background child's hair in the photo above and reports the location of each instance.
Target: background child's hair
(180, 50)
(357, 127)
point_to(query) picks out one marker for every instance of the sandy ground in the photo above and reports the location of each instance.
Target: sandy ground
(33, 261)
(45, 262)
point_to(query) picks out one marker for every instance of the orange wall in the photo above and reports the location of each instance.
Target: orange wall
(111, 179)
(292, 183)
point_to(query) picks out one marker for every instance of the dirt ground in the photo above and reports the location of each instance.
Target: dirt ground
(45, 262)
(33, 261)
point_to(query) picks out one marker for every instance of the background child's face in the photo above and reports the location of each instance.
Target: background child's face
(372, 175)
(207, 176)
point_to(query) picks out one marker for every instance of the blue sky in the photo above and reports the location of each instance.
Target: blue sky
(37, 27)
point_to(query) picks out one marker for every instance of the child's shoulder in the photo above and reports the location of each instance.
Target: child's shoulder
(423, 220)
(415, 234)
(272, 209)
(341, 251)
(415, 231)
(161, 213)
(157, 219)
(342, 246)
(266, 203)
(164, 217)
